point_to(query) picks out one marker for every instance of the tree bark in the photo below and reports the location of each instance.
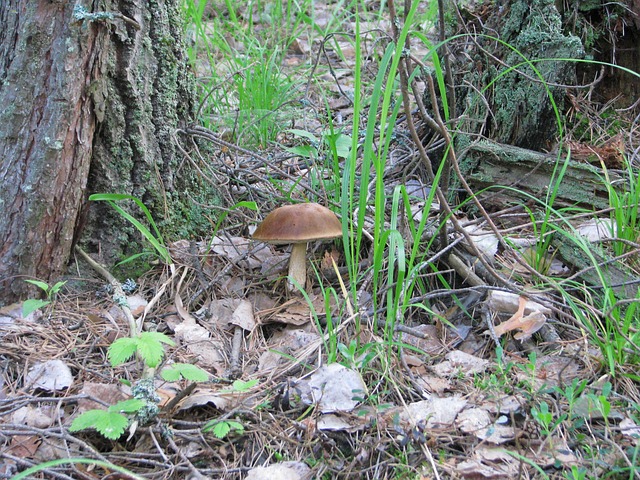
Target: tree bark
(91, 94)
(46, 131)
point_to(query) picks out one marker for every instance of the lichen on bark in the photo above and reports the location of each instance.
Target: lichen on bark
(520, 81)
(149, 95)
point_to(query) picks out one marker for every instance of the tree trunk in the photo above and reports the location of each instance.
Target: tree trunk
(46, 132)
(520, 107)
(91, 95)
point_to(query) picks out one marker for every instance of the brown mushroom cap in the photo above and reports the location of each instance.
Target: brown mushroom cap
(301, 223)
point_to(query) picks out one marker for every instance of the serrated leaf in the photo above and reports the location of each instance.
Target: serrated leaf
(128, 406)
(31, 305)
(122, 350)
(221, 429)
(86, 420)
(150, 349)
(170, 374)
(158, 336)
(109, 424)
(112, 425)
(236, 426)
(186, 371)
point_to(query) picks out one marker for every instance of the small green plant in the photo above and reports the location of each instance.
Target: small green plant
(576, 473)
(625, 220)
(601, 401)
(571, 393)
(222, 428)
(149, 347)
(545, 419)
(110, 423)
(240, 386)
(31, 305)
(356, 357)
(153, 237)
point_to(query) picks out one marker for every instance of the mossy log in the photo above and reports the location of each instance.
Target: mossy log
(506, 175)
(607, 273)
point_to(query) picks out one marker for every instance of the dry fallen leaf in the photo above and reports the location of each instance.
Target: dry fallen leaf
(491, 463)
(283, 343)
(295, 311)
(458, 362)
(477, 421)
(106, 392)
(280, 471)
(243, 316)
(333, 388)
(485, 240)
(430, 344)
(203, 397)
(23, 446)
(39, 417)
(197, 340)
(52, 375)
(335, 422)
(597, 229)
(438, 412)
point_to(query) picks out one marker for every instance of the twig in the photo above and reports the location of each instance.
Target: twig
(185, 392)
(236, 346)
(118, 296)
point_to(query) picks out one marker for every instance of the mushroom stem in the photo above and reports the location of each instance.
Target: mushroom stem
(298, 266)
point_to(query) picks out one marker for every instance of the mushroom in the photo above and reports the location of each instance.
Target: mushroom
(298, 224)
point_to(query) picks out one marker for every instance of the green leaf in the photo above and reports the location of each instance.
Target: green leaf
(133, 257)
(56, 288)
(246, 204)
(112, 425)
(343, 145)
(41, 285)
(86, 420)
(186, 371)
(122, 350)
(31, 305)
(158, 336)
(155, 240)
(221, 428)
(236, 426)
(127, 406)
(150, 347)
(306, 151)
(304, 134)
(109, 424)
(240, 386)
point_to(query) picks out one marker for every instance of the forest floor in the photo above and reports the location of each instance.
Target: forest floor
(437, 339)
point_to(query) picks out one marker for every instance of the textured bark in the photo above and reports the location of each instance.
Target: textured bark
(91, 94)
(46, 132)
(147, 93)
(523, 106)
